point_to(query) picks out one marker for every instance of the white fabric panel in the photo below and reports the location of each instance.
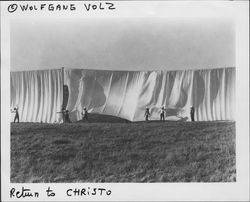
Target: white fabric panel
(127, 93)
(38, 95)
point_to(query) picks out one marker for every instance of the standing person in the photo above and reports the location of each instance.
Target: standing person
(162, 114)
(16, 114)
(147, 114)
(66, 116)
(192, 113)
(84, 114)
(63, 114)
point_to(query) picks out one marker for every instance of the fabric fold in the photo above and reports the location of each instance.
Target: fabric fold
(37, 94)
(127, 93)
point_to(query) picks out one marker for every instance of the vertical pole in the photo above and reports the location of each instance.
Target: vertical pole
(63, 88)
(62, 108)
(63, 76)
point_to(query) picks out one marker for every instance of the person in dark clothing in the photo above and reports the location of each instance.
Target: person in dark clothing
(162, 114)
(192, 113)
(66, 116)
(147, 114)
(16, 114)
(84, 114)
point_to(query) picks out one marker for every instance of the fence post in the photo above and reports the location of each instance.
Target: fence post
(63, 89)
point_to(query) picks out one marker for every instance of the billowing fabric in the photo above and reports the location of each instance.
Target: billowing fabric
(126, 94)
(38, 95)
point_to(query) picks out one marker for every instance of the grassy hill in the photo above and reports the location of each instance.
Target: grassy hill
(123, 152)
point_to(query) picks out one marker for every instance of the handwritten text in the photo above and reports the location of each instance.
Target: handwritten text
(60, 7)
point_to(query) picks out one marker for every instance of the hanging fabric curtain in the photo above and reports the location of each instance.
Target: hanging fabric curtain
(126, 94)
(37, 94)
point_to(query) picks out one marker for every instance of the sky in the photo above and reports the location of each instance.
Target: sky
(122, 44)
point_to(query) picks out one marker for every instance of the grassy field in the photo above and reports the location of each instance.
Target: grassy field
(123, 152)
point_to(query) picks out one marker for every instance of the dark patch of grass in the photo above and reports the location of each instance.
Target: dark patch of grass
(61, 141)
(123, 152)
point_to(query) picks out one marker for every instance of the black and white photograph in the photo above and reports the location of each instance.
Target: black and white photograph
(138, 100)
(127, 99)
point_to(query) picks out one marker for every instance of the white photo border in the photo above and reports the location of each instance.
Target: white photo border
(236, 191)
